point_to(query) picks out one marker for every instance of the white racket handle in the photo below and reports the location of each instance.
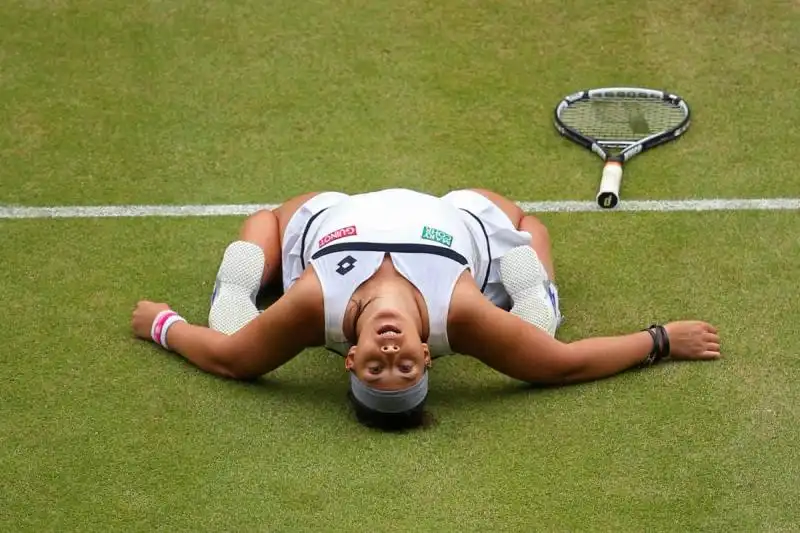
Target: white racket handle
(608, 194)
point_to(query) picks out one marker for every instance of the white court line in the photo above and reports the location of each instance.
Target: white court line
(116, 211)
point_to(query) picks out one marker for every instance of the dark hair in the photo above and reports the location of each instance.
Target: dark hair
(414, 418)
(349, 330)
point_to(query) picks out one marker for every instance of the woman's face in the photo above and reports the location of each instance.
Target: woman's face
(389, 354)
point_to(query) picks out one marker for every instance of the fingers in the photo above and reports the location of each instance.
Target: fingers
(711, 338)
(711, 341)
(713, 350)
(709, 328)
(143, 303)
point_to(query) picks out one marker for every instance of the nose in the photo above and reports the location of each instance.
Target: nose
(390, 348)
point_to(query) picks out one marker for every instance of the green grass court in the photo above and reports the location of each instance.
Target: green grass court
(105, 102)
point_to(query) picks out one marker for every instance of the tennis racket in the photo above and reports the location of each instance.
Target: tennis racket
(628, 119)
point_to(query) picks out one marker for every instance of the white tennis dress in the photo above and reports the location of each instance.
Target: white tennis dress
(430, 241)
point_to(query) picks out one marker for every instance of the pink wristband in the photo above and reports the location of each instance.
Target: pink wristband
(168, 324)
(158, 324)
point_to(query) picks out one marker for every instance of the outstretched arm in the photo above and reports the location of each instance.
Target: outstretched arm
(283, 330)
(523, 351)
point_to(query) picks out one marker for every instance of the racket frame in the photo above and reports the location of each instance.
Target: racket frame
(629, 149)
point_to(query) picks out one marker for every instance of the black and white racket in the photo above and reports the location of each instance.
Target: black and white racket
(629, 119)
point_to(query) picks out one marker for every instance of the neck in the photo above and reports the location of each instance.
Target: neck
(385, 292)
(393, 294)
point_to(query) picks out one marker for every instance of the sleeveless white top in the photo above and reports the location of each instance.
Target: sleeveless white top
(426, 238)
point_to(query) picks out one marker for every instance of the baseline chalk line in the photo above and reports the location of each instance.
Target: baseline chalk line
(125, 211)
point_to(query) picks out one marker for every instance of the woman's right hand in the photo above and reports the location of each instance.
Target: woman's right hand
(143, 316)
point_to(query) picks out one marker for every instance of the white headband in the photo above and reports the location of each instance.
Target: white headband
(389, 401)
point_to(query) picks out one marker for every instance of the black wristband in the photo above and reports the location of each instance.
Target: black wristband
(660, 348)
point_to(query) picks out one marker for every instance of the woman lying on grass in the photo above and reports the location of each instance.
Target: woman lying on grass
(392, 279)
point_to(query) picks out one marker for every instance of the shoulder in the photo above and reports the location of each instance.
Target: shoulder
(469, 309)
(305, 295)
(478, 328)
(303, 305)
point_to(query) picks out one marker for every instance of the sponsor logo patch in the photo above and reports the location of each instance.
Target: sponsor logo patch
(349, 231)
(437, 235)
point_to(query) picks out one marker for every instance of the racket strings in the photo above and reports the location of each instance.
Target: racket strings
(622, 119)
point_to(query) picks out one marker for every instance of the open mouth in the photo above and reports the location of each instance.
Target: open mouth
(388, 329)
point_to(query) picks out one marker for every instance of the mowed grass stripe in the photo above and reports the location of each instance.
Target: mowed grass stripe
(233, 102)
(100, 430)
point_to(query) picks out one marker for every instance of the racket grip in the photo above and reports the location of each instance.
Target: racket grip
(608, 194)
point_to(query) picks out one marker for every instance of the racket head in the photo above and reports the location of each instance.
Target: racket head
(630, 119)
